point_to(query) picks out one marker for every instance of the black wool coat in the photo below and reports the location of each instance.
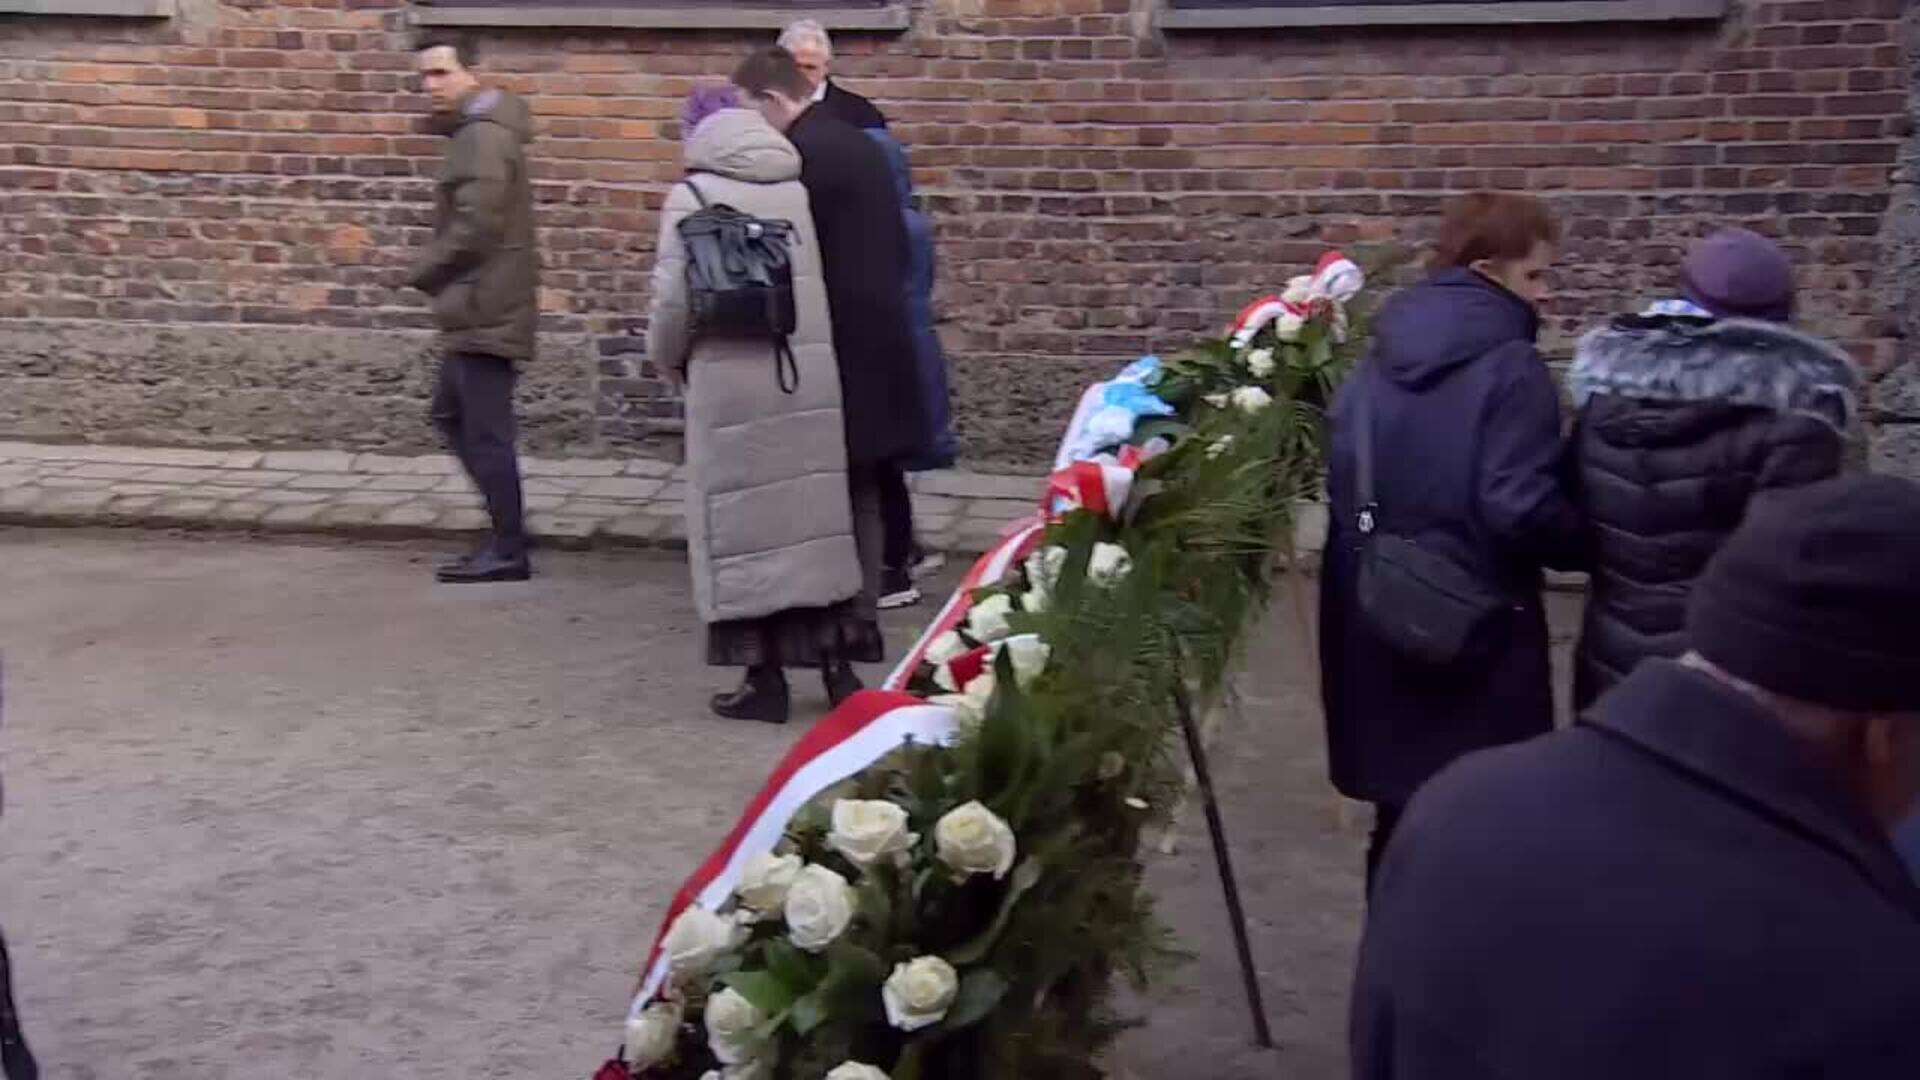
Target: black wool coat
(1674, 889)
(1682, 422)
(863, 254)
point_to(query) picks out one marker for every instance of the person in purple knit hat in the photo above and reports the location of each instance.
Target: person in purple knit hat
(1686, 412)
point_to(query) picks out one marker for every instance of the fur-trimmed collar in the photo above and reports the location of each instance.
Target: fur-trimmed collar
(1733, 361)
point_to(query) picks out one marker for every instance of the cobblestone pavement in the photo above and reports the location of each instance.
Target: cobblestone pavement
(288, 808)
(571, 502)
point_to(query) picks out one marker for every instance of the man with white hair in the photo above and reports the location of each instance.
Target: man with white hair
(812, 51)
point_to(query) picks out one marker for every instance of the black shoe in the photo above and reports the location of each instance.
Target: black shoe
(841, 682)
(486, 566)
(761, 696)
(897, 589)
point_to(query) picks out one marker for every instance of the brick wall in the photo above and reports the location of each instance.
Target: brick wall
(255, 168)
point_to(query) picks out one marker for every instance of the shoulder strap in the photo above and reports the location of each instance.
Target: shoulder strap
(698, 195)
(1363, 455)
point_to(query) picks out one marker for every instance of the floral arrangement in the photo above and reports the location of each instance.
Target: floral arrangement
(961, 909)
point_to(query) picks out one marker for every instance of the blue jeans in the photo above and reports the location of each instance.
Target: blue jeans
(1907, 840)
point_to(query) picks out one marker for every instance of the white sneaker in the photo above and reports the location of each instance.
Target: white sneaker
(929, 562)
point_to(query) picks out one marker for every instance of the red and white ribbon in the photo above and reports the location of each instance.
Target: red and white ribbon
(987, 570)
(867, 727)
(1095, 486)
(1335, 280)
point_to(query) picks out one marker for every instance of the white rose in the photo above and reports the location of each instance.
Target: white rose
(1029, 656)
(1289, 326)
(698, 938)
(651, 1036)
(1260, 363)
(1109, 563)
(864, 830)
(1299, 290)
(919, 992)
(764, 881)
(1218, 447)
(970, 704)
(1112, 765)
(1034, 601)
(819, 906)
(974, 840)
(731, 1023)
(1218, 401)
(1251, 399)
(855, 1070)
(988, 619)
(945, 647)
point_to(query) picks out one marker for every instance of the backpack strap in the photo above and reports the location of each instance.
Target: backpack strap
(698, 195)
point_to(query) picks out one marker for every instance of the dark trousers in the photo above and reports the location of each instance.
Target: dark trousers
(896, 516)
(473, 408)
(16, 1061)
(1386, 818)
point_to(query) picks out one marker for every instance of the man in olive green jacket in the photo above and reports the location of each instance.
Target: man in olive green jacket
(482, 271)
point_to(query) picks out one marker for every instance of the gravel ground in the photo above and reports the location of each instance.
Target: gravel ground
(291, 810)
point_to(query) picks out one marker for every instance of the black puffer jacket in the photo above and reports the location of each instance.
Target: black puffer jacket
(1681, 422)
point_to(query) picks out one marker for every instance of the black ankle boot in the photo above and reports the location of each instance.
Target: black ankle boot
(762, 696)
(840, 680)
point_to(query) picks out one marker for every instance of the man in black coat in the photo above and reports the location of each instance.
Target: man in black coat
(863, 255)
(1697, 880)
(812, 52)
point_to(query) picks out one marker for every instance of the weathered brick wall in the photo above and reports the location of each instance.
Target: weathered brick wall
(254, 168)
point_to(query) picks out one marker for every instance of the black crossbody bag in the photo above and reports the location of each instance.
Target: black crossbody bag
(1421, 602)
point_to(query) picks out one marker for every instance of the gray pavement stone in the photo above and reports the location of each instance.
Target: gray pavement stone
(976, 485)
(143, 488)
(562, 527)
(411, 516)
(255, 478)
(326, 482)
(403, 482)
(1001, 510)
(551, 485)
(294, 516)
(454, 483)
(83, 503)
(652, 467)
(241, 459)
(21, 498)
(75, 483)
(189, 458)
(369, 498)
(601, 509)
(241, 512)
(633, 529)
(107, 470)
(131, 508)
(282, 497)
(545, 502)
(309, 461)
(180, 474)
(570, 467)
(351, 515)
(624, 487)
(465, 519)
(184, 510)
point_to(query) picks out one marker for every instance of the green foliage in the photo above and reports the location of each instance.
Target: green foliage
(1078, 764)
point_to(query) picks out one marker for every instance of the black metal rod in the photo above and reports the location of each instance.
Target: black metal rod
(1262, 1035)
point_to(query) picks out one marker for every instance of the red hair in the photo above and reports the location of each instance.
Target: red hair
(1496, 225)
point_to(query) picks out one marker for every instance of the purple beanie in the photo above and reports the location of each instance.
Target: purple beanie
(704, 102)
(1739, 274)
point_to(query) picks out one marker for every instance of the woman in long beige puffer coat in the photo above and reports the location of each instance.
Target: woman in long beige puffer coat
(776, 573)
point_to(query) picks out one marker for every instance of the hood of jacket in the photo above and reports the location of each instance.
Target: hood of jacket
(487, 105)
(1728, 363)
(1452, 318)
(739, 144)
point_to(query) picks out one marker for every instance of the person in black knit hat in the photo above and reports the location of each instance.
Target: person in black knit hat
(1698, 878)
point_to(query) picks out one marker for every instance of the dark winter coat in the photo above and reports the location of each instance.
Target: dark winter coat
(851, 107)
(482, 268)
(930, 363)
(1682, 421)
(1468, 460)
(1671, 889)
(863, 253)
